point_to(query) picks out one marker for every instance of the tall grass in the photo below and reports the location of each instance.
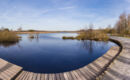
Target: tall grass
(94, 35)
(8, 36)
(97, 35)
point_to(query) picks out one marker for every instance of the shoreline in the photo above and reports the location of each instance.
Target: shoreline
(38, 32)
(88, 72)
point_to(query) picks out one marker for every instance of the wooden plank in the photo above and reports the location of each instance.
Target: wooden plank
(20, 76)
(16, 68)
(80, 74)
(3, 63)
(62, 76)
(25, 76)
(42, 76)
(46, 77)
(75, 73)
(90, 73)
(65, 76)
(74, 77)
(5, 71)
(11, 71)
(51, 76)
(94, 72)
(3, 76)
(57, 76)
(69, 76)
(8, 74)
(8, 70)
(94, 69)
(38, 76)
(30, 76)
(85, 72)
(34, 76)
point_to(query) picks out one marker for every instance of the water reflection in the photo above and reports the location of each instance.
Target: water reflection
(90, 45)
(52, 53)
(32, 37)
(8, 44)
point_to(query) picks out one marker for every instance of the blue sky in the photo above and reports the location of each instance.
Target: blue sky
(60, 14)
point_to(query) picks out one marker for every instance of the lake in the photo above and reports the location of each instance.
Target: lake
(49, 53)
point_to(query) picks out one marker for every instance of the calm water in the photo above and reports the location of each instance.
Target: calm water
(51, 54)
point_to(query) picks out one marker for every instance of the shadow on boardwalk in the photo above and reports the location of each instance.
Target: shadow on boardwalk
(120, 68)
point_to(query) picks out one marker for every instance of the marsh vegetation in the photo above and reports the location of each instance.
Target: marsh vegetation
(8, 36)
(90, 34)
(121, 28)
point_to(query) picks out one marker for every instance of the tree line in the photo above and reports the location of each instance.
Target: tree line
(123, 24)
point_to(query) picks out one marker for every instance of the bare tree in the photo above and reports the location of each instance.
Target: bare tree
(128, 23)
(19, 29)
(89, 31)
(121, 25)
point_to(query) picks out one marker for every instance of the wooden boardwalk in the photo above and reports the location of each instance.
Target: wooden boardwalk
(10, 71)
(120, 68)
(89, 72)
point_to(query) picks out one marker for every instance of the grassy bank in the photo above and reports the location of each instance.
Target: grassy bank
(87, 35)
(8, 36)
(94, 35)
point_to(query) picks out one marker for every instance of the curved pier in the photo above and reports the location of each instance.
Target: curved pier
(120, 68)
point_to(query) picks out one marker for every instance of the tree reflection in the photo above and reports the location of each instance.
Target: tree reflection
(33, 37)
(8, 44)
(90, 45)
